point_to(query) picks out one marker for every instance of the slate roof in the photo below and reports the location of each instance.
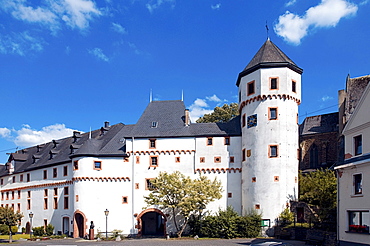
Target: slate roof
(319, 124)
(110, 141)
(269, 55)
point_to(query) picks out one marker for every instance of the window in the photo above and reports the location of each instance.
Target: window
(294, 86)
(357, 184)
(137, 159)
(55, 202)
(243, 155)
(273, 151)
(2, 195)
(18, 207)
(66, 191)
(209, 141)
(66, 200)
(1, 181)
(45, 192)
(274, 84)
(249, 153)
(149, 185)
(272, 113)
(252, 121)
(276, 178)
(257, 206)
(7, 195)
(77, 198)
(12, 195)
(21, 178)
(154, 124)
(45, 174)
(358, 144)
(124, 199)
(250, 88)
(75, 165)
(13, 179)
(154, 161)
(227, 141)
(254, 180)
(217, 159)
(55, 191)
(28, 177)
(177, 159)
(45, 203)
(152, 143)
(29, 204)
(231, 159)
(29, 194)
(359, 221)
(65, 170)
(55, 172)
(137, 186)
(97, 165)
(229, 195)
(202, 159)
(243, 120)
(19, 194)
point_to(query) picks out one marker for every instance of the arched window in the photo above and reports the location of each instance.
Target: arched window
(314, 156)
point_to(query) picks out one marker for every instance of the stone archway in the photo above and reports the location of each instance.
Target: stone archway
(152, 222)
(79, 224)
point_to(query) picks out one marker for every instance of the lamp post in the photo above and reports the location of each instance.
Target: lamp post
(31, 216)
(106, 212)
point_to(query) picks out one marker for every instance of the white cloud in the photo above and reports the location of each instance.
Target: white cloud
(201, 107)
(4, 132)
(20, 44)
(291, 2)
(27, 136)
(134, 47)
(154, 4)
(328, 13)
(326, 98)
(214, 98)
(97, 52)
(74, 13)
(216, 6)
(118, 28)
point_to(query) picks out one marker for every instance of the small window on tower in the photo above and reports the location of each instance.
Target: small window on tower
(210, 141)
(273, 113)
(294, 86)
(152, 143)
(250, 88)
(273, 151)
(154, 161)
(273, 83)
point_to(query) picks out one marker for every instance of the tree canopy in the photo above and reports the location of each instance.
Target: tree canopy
(182, 195)
(9, 218)
(221, 114)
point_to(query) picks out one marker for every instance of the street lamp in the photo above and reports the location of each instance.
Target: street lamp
(106, 212)
(31, 216)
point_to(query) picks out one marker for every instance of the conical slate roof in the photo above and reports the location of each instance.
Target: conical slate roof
(269, 55)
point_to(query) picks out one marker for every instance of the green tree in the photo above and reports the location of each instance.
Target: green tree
(9, 218)
(221, 114)
(319, 188)
(183, 196)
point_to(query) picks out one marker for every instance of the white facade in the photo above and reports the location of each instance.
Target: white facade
(354, 178)
(73, 181)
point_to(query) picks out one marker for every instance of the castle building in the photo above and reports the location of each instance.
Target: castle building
(70, 182)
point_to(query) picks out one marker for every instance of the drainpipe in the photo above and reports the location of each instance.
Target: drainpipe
(133, 185)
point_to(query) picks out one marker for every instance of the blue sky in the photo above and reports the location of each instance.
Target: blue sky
(72, 64)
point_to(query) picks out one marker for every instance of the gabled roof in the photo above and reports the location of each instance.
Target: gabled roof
(269, 55)
(109, 141)
(319, 124)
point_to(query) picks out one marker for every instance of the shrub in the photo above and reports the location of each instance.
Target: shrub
(38, 231)
(286, 217)
(4, 229)
(49, 230)
(116, 233)
(228, 224)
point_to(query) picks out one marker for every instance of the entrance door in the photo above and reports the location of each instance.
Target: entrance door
(28, 228)
(152, 224)
(80, 225)
(66, 225)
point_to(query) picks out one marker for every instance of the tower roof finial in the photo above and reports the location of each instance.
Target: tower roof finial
(267, 30)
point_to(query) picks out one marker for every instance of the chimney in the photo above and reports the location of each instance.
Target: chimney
(106, 124)
(187, 117)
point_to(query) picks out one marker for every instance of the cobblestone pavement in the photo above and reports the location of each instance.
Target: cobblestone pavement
(160, 242)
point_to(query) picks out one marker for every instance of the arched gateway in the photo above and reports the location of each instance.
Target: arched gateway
(79, 224)
(152, 222)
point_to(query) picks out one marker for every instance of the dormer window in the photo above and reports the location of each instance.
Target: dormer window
(55, 143)
(154, 124)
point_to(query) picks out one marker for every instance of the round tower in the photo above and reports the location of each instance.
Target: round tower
(269, 95)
